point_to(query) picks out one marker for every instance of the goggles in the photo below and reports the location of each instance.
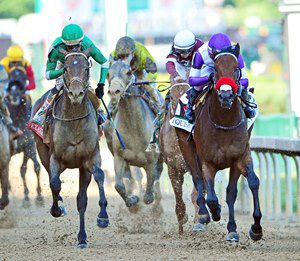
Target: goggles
(185, 51)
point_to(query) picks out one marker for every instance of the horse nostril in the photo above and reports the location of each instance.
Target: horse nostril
(118, 91)
(109, 92)
(71, 93)
(81, 93)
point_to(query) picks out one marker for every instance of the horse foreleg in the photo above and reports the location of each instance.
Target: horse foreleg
(55, 185)
(23, 173)
(177, 181)
(253, 182)
(84, 181)
(211, 200)
(120, 164)
(149, 195)
(102, 219)
(4, 186)
(231, 194)
(37, 169)
(204, 217)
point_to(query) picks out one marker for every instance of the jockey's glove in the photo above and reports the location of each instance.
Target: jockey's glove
(100, 90)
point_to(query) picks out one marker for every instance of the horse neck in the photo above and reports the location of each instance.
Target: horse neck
(69, 110)
(223, 116)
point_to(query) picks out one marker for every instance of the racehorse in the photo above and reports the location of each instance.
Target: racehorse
(74, 140)
(133, 119)
(4, 162)
(169, 140)
(20, 108)
(222, 141)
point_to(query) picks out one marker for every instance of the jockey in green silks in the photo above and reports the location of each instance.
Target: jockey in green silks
(72, 39)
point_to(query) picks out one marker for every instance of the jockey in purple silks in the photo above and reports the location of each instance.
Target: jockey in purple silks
(203, 69)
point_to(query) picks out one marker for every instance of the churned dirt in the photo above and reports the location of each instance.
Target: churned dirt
(31, 233)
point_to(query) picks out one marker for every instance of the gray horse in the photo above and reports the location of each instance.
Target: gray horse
(74, 141)
(20, 107)
(133, 119)
(4, 163)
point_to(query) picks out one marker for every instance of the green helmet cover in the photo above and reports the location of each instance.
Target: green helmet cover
(72, 34)
(125, 46)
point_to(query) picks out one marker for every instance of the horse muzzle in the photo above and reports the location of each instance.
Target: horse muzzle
(226, 98)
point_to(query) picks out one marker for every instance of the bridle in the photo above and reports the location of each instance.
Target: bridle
(73, 79)
(84, 84)
(237, 79)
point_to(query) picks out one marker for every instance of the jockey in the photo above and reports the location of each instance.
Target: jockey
(72, 39)
(179, 60)
(203, 69)
(141, 62)
(15, 58)
(4, 112)
(178, 65)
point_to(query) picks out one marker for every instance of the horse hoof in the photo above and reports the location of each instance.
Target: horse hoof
(39, 201)
(132, 201)
(26, 203)
(199, 227)
(148, 198)
(232, 237)
(82, 245)
(58, 212)
(204, 219)
(255, 236)
(3, 203)
(102, 222)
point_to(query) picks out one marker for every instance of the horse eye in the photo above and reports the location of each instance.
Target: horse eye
(129, 73)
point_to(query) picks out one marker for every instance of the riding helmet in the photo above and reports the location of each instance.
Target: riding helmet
(72, 34)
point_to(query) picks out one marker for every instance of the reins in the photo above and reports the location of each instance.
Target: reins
(226, 128)
(66, 119)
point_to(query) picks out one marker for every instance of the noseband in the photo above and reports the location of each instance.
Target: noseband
(84, 84)
(242, 119)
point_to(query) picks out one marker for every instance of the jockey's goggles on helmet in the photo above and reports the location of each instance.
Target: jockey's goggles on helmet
(74, 48)
(185, 51)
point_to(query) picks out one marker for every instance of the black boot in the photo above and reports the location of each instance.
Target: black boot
(190, 114)
(249, 103)
(101, 120)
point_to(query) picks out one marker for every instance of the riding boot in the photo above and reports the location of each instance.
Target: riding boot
(190, 114)
(101, 120)
(249, 103)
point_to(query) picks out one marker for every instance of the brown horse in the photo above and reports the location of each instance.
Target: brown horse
(222, 141)
(169, 140)
(74, 141)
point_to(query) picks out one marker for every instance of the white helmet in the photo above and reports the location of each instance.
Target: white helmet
(184, 40)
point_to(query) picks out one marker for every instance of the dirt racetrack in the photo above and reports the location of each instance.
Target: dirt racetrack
(33, 234)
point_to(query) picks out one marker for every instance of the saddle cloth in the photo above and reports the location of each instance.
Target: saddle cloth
(179, 121)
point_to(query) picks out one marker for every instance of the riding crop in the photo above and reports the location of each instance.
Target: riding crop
(114, 127)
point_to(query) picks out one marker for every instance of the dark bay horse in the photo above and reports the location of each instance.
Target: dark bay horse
(133, 120)
(74, 141)
(222, 141)
(20, 108)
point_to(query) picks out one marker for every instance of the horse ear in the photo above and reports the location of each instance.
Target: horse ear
(87, 51)
(64, 52)
(236, 50)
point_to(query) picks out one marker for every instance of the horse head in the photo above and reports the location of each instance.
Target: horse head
(227, 74)
(119, 79)
(76, 75)
(16, 85)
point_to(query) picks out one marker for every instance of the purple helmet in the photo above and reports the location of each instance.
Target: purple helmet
(218, 42)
